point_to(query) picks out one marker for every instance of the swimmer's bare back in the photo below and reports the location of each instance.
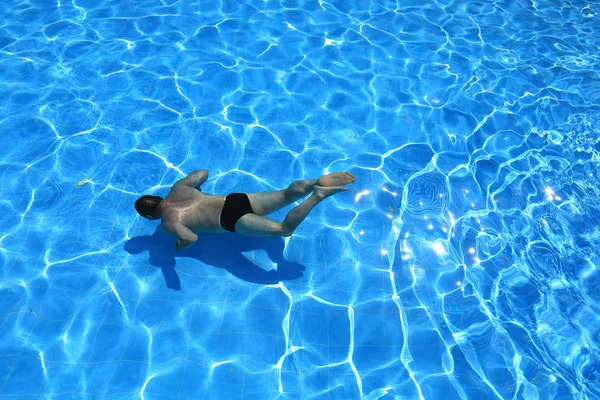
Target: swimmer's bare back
(187, 210)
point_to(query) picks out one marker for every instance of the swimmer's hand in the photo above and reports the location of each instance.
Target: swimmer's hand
(183, 244)
(185, 237)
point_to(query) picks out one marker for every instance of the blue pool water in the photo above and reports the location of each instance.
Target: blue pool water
(462, 264)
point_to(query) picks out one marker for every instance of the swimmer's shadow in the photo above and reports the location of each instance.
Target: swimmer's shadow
(221, 251)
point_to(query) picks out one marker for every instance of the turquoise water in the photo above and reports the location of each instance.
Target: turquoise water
(462, 264)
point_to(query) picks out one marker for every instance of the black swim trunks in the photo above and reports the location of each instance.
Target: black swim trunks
(236, 206)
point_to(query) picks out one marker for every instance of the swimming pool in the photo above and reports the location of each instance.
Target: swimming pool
(462, 264)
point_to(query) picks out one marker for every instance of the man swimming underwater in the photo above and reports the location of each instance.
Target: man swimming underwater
(186, 209)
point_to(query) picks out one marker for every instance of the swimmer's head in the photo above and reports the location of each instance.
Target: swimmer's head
(149, 206)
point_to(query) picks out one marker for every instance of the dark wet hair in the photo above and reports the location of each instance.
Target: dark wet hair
(147, 205)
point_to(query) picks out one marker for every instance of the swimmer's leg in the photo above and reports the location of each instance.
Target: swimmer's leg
(256, 225)
(264, 203)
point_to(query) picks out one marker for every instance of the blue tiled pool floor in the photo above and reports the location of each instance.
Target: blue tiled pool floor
(462, 264)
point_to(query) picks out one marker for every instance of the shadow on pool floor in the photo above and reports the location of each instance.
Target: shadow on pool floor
(221, 251)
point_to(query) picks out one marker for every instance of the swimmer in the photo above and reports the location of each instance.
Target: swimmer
(187, 210)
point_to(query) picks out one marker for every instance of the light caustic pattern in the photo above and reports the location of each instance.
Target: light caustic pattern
(462, 264)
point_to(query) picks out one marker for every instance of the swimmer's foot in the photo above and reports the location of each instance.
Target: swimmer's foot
(324, 192)
(336, 179)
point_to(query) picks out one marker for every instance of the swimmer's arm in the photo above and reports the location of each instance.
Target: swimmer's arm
(194, 179)
(185, 237)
